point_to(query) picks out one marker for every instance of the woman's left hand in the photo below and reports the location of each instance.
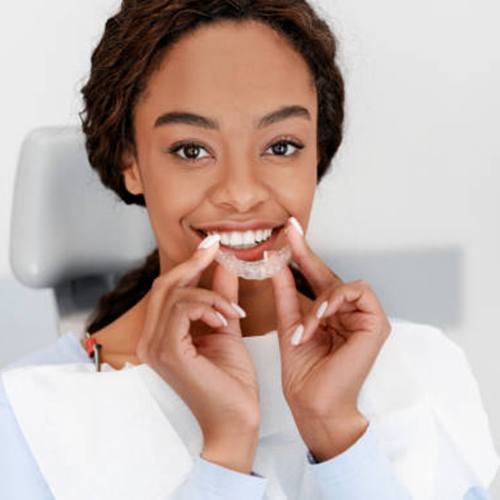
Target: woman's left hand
(322, 375)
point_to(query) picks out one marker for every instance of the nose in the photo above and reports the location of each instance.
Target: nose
(239, 187)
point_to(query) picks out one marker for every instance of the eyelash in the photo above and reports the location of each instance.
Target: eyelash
(177, 147)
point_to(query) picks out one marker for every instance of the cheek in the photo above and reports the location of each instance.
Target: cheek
(296, 190)
(175, 201)
(173, 190)
(171, 198)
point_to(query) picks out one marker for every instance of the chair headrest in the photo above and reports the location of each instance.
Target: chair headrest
(65, 224)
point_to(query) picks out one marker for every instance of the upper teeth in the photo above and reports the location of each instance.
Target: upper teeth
(245, 238)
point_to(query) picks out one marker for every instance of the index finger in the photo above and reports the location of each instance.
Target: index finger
(189, 272)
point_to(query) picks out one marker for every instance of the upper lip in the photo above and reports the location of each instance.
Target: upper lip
(238, 226)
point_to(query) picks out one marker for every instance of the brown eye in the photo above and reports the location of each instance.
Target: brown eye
(191, 150)
(281, 147)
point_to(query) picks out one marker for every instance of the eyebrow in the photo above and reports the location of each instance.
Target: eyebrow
(211, 123)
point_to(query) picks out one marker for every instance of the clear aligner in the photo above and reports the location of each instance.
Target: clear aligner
(256, 269)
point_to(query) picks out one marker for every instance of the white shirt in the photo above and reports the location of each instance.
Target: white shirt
(418, 445)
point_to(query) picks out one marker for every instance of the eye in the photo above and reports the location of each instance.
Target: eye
(281, 146)
(190, 150)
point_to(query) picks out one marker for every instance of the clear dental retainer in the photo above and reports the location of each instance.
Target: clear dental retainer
(255, 269)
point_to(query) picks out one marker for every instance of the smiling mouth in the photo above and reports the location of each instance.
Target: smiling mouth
(246, 245)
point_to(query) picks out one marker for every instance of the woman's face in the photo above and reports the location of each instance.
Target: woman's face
(239, 167)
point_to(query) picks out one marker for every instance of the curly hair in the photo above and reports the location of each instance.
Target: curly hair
(132, 47)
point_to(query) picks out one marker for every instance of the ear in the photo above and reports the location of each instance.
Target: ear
(131, 173)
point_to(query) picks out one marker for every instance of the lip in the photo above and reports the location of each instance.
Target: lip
(249, 254)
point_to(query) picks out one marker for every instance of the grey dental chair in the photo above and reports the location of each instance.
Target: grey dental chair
(68, 232)
(75, 237)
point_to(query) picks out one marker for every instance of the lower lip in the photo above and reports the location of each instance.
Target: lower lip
(254, 253)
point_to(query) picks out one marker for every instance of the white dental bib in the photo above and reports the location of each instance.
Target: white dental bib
(125, 434)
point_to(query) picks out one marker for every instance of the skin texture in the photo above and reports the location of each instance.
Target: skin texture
(234, 74)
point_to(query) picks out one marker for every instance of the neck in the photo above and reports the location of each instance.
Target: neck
(119, 339)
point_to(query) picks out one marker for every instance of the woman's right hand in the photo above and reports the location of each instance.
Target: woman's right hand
(211, 372)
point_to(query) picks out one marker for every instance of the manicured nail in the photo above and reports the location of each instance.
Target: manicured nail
(296, 224)
(297, 334)
(219, 315)
(209, 241)
(321, 309)
(239, 310)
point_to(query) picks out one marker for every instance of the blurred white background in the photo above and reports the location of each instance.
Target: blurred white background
(418, 169)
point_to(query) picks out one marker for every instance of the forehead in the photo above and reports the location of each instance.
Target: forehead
(231, 69)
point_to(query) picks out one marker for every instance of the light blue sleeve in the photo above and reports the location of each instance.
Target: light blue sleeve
(361, 471)
(19, 473)
(210, 481)
(21, 478)
(477, 493)
(364, 471)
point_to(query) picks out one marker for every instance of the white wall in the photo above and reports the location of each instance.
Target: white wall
(416, 170)
(45, 49)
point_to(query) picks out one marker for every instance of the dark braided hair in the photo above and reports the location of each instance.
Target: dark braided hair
(133, 44)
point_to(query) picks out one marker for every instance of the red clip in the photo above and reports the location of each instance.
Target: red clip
(90, 342)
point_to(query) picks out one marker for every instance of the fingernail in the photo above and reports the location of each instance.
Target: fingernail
(296, 224)
(265, 255)
(222, 318)
(239, 310)
(297, 334)
(209, 241)
(321, 309)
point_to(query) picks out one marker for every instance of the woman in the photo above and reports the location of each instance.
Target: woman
(221, 117)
